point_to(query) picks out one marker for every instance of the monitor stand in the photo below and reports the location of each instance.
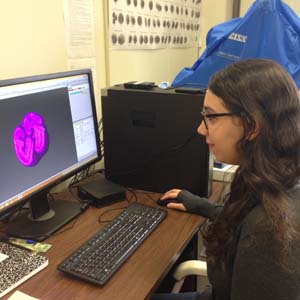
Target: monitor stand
(44, 218)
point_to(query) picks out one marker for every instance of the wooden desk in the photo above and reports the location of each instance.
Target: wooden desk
(140, 275)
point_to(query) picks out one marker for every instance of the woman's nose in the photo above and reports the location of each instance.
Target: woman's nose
(202, 129)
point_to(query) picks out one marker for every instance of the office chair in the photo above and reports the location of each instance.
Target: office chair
(187, 268)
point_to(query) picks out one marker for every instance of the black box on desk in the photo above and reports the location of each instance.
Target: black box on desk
(101, 192)
(151, 141)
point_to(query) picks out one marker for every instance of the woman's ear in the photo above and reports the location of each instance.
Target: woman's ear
(255, 132)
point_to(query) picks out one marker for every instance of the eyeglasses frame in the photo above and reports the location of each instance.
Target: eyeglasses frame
(215, 115)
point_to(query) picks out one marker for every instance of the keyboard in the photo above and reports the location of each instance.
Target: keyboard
(105, 252)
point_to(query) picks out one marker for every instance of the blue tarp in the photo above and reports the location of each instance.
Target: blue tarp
(270, 29)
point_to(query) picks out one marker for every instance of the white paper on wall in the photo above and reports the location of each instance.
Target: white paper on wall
(79, 28)
(153, 24)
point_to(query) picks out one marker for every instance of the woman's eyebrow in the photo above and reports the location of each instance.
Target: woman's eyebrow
(208, 109)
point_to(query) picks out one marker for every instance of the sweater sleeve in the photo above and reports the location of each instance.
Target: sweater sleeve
(199, 205)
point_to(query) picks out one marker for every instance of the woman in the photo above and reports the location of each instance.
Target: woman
(251, 118)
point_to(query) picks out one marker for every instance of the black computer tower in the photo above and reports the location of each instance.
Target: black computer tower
(151, 141)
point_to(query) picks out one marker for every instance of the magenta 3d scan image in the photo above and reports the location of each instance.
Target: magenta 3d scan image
(31, 139)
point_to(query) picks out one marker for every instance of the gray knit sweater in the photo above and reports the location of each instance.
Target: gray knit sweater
(253, 272)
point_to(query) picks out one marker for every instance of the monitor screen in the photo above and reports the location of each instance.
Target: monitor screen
(48, 133)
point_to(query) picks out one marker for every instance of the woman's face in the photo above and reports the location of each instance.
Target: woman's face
(223, 132)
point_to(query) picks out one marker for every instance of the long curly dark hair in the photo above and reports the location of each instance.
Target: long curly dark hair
(260, 90)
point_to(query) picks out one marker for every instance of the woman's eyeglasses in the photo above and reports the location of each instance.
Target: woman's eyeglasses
(208, 118)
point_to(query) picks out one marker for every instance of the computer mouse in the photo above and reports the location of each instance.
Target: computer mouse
(167, 201)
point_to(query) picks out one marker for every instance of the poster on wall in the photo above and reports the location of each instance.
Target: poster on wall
(154, 24)
(79, 28)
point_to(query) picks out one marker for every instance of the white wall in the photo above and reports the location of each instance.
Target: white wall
(33, 42)
(32, 39)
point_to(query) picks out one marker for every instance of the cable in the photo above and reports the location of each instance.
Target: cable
(67, 228)
(133, 193)
(133, 196)
(107, 211)
(147, 194)
(100, 130)
(83, 174)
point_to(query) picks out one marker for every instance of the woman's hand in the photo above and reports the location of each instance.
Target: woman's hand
(173, 194)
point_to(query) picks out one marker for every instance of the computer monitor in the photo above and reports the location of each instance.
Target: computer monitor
(49, 132)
